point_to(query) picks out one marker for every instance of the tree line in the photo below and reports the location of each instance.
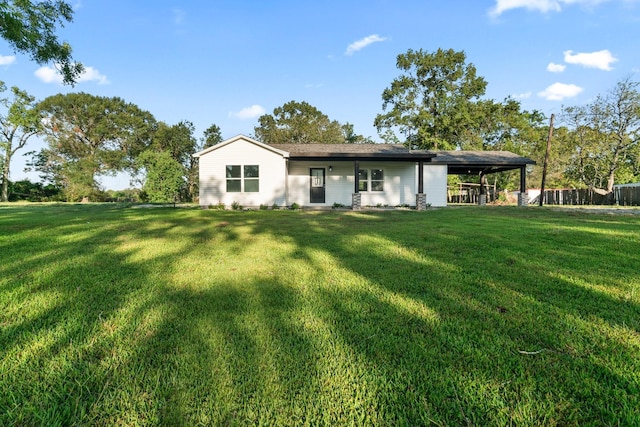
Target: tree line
(436, 103)
(90, 136)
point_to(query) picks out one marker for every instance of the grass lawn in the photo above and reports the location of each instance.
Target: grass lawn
(457, 316)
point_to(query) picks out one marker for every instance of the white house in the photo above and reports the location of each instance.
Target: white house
(245, 171)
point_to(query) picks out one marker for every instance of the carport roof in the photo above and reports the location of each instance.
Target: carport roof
(475, 162)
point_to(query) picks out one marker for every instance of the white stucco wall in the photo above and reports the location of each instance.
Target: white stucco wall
(435, 184)
(399, 183)
(242, 152)
(338, 185)
(284, 182)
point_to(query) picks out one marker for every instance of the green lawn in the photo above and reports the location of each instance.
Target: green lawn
(457, 316)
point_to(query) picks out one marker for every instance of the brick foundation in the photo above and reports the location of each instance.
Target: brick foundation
(356, 201)
(421, 201)
(523, 199)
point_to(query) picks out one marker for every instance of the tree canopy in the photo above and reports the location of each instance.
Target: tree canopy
(90, 135)
(18, 124)
(165, 176)
(212, 136)
(605, 138)
(170, 167)
(29, 27)
(298, 123)
(432, 102)
(177, 140)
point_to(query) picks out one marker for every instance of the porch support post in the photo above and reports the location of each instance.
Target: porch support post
(482, 200)
(523, 199)
(421, 198)
(356, 197)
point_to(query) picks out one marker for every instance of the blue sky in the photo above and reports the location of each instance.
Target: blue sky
(228, 62)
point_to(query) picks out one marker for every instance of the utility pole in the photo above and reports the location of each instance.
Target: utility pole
(546, 160)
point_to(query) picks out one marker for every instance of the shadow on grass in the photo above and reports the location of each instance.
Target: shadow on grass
(188, 317)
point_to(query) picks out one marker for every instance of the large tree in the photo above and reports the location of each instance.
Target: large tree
(501, 126)
(605, 137)
(89, 136)
(177, 140)
(351, 137)
(18, 123)
(212, 136)
(432, 102)
(171, 150)
(29, 27)
(298, 123)
(165, 176)
(505, 126)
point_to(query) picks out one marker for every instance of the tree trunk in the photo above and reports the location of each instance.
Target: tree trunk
(5, 175)
(612, 171)
(546, 160)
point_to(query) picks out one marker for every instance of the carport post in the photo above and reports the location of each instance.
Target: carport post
(482, 200)
(523, 199)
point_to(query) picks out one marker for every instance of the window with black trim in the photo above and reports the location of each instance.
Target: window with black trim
(251, 179)
(377, 180)
(243, 179)
(363, 180)
(234, 179)
(371, 180)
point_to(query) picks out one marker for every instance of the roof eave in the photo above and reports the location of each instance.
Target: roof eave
(360, 156)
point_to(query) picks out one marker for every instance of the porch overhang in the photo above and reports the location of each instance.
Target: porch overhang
(353, 152)
(386, 157)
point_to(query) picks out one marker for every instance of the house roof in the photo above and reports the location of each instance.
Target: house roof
(353, 152)
(236, 138)
(458, 162)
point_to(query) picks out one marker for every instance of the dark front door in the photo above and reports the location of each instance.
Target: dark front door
(316, 191)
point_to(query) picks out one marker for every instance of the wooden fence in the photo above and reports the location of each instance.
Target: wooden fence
(627, 196)
(622, 196)
(469, 193)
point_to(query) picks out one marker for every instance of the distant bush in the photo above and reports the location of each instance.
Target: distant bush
(34, 192)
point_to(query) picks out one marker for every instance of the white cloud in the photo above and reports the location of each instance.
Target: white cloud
(92, 74)
(249, 112)
(524, 95)
(560, 91)
(7, 60)
(52, 75)
(179, 16)
(601, 59)
(556, 68)
(49, 75)
(543, 6)
(362, 43)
